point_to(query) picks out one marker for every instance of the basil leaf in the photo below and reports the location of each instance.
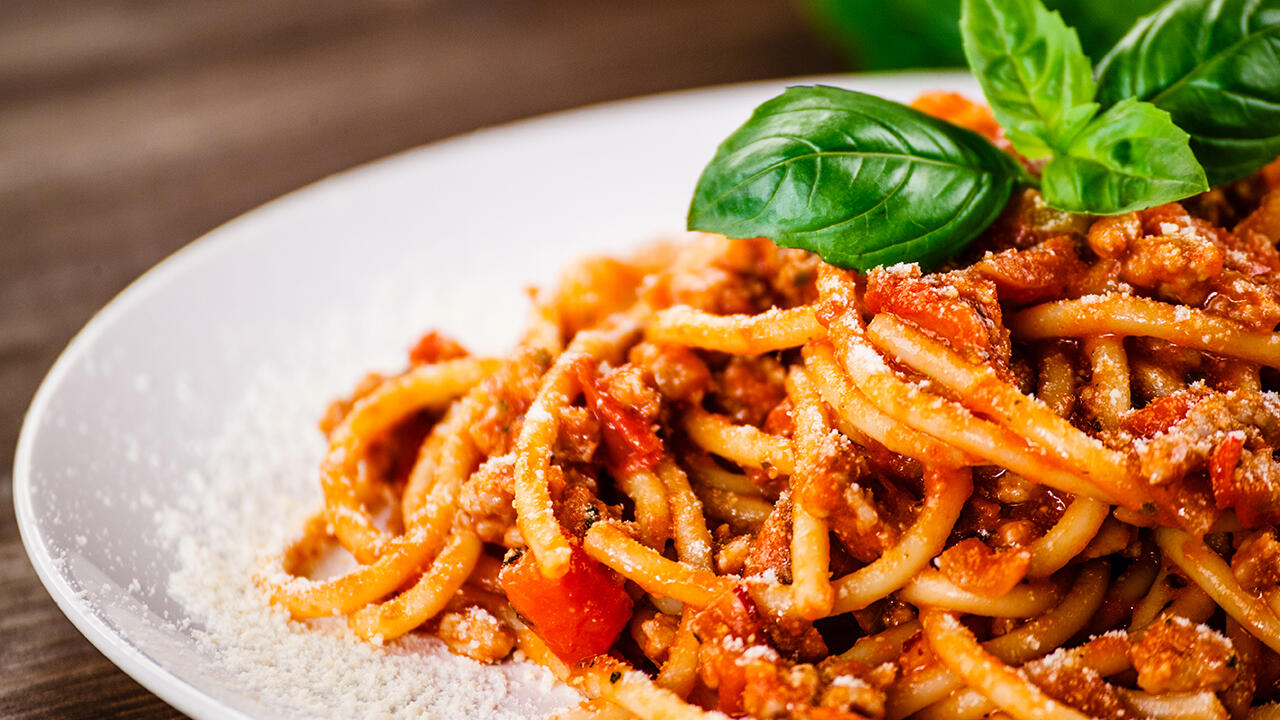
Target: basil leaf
(1035, 76)
(859, 180)
(1214, 65)
(1131, 157)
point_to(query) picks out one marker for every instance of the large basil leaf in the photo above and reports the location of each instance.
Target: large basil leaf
(1035, 76)
(1214, 65)
(859, 180)
(1131, 157)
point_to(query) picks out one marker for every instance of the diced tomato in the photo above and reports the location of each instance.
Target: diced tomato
(959, 110)
(730, 624)
(1225, 458)
(1036, 274)
(1227, 490)
(578, 615)
(972, 566)
(961, 309)
(937, 309)
(630, 440)
(1160, 414)
(433, 347)
(733, 680)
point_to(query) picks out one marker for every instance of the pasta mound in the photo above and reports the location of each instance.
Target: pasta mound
(721, 475)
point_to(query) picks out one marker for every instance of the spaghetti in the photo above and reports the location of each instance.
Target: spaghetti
(721, 475)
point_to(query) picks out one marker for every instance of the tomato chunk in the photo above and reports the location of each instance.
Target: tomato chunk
(578, 615)
(1160, 414)
(630, 441)
(434, 347)
(973, 566)
(1229, 489)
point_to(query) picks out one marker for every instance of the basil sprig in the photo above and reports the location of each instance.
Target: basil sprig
(1041, 89)
(860, 180)
(1213, 65)
(863, 181)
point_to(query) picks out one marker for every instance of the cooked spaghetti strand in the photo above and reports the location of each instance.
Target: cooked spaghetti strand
(532, 498)
(955, 646)
(773, 330)
(1128, 315)
(427, 386)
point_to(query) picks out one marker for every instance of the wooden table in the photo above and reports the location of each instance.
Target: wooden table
(130, 127)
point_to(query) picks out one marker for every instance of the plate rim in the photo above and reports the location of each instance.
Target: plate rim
(125, 654)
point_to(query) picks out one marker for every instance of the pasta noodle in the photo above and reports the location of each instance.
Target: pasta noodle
(1041, 482)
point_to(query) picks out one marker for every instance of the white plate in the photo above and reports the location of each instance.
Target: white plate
(201, 371)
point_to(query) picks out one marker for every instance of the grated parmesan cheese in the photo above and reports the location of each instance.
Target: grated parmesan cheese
(261, 487)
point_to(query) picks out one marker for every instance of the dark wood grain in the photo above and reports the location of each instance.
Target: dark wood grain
(130, 127)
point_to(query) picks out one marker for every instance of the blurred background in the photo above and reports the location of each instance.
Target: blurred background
(130, 127)
(877, 35)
